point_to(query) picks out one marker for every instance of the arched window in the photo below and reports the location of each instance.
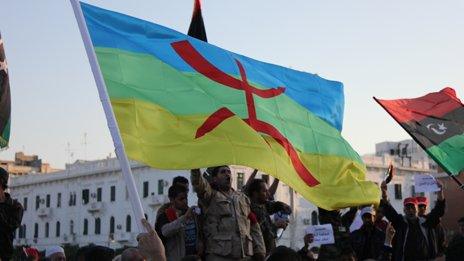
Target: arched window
(23, 234)
(86, 227)
(128, 223)
(47, 227)
(314, 220)
(57, 234)
(97, 226)
(111, 225)
(36, 230)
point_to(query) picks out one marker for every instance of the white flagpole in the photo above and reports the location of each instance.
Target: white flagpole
(110, 118)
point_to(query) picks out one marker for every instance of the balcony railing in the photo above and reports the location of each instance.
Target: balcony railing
(95, 206)
(44, 212)
(122, 237)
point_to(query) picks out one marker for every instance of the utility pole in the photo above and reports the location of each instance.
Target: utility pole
(69, 152)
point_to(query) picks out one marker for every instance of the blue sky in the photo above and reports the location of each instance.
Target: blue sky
(388, 49)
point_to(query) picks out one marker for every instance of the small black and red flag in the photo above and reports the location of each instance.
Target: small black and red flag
(5, 100)
(197, 26)
(436, 122)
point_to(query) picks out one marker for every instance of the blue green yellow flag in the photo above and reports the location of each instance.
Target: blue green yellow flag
(182, 103)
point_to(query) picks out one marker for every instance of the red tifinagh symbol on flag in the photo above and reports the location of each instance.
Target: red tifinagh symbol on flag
(192, 57)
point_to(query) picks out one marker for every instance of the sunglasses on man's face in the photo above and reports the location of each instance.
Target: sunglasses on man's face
(412, 206)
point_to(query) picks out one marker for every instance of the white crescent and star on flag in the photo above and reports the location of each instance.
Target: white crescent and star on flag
(437, 128)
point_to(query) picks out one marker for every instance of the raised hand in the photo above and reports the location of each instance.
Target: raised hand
(383, 187)
(150, 244)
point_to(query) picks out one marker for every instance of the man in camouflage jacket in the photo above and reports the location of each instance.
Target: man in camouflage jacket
(230, 228)
(258, 193)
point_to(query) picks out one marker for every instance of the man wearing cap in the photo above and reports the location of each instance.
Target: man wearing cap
(368, 240)
(11, 214)
(439, 232)
(231, 229)
(55, 253)
(413, 240)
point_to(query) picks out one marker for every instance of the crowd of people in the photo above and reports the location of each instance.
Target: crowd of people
(245, 224)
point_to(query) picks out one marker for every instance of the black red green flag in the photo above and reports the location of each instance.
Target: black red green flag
(197, 26)
(5, 101)
(436, 122)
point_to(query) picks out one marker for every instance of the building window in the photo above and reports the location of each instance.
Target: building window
(23, 232)
(128, 223)
(71, 227)
(86, 227)
(99, 194)
(58, 227)
(47, 228)
(58, 200)
(145, 189)
(37, 202)
(160, 187)
(314, 219)
(25, 203)
(85, 196)
(398, 193)
(70, 203)
(36, 230)
(111, 225)
(20, 232)
(240, 180)
(113, 193)
(47, 202)
(97, 226)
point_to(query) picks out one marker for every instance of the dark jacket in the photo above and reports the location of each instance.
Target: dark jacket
(342, 246)
(441, 239)
(268, 229)
(455, 249)
(368, 243)
(303, 253)
(416, 239)
(11, 215)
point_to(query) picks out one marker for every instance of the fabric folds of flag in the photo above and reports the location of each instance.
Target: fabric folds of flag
(182, 103)
(436, 122)
(5, 100)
